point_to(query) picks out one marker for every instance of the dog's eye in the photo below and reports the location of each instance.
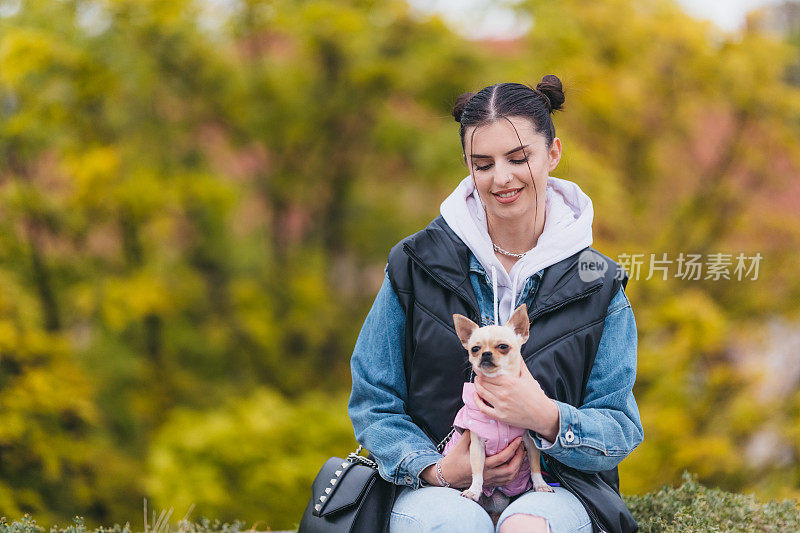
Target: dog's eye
(503, 346)
(476, 349)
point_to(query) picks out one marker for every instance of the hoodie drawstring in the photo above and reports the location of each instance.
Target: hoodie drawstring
(513, 294)
(494, 295)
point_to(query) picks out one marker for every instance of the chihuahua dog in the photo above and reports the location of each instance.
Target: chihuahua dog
(495, 350)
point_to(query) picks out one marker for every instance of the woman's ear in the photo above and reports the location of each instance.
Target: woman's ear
(555, 153)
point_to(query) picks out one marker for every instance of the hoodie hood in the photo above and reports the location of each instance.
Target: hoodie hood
(567, 230)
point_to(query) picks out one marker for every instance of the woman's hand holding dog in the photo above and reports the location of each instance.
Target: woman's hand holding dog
(498, 470)
(519, 402)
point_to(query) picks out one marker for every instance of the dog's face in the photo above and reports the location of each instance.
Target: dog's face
(494, 350)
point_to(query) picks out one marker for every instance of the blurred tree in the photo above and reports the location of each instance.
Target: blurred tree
(197, 199)
(685, 137)
(188, 196)
(258, 448)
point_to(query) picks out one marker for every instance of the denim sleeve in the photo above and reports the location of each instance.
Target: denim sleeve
(600, 433)
(379, 395)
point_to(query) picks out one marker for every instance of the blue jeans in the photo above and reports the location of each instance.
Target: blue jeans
(444, 509)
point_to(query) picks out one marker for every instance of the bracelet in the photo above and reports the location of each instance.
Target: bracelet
(439, 475)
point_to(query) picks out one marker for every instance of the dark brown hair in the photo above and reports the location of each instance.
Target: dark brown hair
(512, 99)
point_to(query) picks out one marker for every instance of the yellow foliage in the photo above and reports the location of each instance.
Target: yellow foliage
(94, 173)
(24, 51)
(134, 302)
(253, 458)
(8, 336)
(709, 455)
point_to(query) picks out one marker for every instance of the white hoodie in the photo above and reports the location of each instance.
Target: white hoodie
(567, 230)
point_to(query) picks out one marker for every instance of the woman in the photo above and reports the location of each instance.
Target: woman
(509, 233)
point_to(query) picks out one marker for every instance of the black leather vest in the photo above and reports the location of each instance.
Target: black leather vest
(429, 271)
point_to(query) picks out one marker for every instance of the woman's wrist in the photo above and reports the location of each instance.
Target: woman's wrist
(429, 475)
(435, 475)
(551, 420)
(439, 475)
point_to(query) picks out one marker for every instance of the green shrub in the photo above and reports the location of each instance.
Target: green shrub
(202, 525)
(251, 458)
(693, 507)
(688, 508)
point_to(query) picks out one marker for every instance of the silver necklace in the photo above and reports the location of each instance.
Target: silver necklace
(498, 249)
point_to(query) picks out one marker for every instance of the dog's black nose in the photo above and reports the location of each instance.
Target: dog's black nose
(486, 356)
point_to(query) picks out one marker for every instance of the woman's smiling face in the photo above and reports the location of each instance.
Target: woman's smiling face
(502, 166)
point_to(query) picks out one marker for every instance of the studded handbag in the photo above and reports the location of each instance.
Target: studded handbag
(348, 495)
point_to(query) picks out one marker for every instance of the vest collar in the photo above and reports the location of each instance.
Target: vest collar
(441, 253)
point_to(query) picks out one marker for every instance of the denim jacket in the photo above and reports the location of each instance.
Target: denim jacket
(604, 430)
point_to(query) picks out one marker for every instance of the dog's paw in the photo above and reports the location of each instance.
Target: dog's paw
(472, 495)
(541, 486)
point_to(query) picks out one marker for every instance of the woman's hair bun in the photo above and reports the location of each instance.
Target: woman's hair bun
(551, 88)
(460, 104)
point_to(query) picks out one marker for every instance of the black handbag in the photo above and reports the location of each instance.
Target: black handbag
(348, 495)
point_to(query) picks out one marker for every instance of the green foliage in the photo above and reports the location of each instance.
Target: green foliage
(28, 525)
(196, 206)
(202, 525)
(689, 507)
(693, 507)
(176, 215)
(253, 458)
(684, 136)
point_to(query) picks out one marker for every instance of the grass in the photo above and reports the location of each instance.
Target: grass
(157, 524)
(688, 508)
(28, 525)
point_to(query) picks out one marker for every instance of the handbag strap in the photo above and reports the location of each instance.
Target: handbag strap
(354, 457)
(441, 445)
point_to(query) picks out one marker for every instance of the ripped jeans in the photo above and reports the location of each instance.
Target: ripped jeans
(444, 509)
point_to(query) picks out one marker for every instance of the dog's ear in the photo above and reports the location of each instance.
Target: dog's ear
(464, 328)
(519, 322)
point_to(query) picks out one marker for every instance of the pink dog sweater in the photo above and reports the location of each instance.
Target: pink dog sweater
(498, 436)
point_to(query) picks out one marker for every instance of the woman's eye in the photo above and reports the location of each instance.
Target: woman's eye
(475, 349)
(503, 346)
(516, 161)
